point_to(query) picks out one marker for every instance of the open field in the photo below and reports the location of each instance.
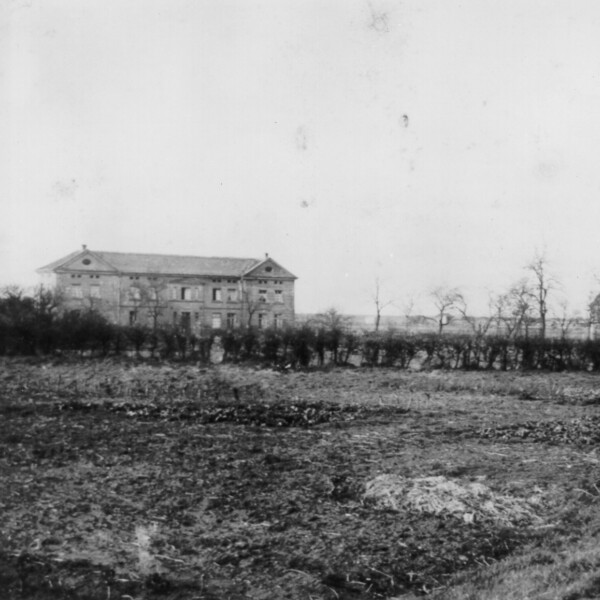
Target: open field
(134, 481)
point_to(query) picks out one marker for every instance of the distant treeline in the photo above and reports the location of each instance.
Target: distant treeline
(33, 326)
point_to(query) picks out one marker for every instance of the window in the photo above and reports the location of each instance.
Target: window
(216, 295)
(86, 261)
(94, 291)
(279, 296)
(262, 295)
(232, 294)
(134, 293)
(262, 320)
(75, 291)
(278, 321)
(132, 317)
(216, 321)
(231, 320)
(173, 293)
(152, 294)
(186, 293)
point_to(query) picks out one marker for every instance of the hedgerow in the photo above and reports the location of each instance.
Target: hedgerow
(28, 327)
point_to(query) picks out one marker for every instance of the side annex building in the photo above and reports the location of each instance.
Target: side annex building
(190, 292)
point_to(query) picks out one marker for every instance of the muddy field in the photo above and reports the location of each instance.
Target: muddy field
(133, 481)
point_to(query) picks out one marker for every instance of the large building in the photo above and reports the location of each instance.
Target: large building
(191, 292)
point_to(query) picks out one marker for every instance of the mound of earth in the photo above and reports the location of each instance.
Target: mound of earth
(441, 496)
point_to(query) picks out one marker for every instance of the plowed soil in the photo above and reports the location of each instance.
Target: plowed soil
(138, 481)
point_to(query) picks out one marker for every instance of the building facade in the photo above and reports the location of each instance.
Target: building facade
(194, 293)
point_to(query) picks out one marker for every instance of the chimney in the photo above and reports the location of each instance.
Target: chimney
(266, 255)
(83, 246)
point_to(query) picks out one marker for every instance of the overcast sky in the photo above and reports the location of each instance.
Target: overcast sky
(420, 142)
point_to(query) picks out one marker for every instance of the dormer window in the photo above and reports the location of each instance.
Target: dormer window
(268, 269)
(86, 261)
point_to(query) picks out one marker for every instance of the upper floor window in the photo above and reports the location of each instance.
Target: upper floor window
(134, 293)
(216, 295)
(232, 294)
(94, 291)
(278, 296)
(262, 295)
(186, 293)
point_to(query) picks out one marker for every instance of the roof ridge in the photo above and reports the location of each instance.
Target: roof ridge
(175, 255)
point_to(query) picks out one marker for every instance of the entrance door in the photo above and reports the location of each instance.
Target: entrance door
(186, 321)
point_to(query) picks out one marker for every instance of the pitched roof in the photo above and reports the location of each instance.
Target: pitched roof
(59, 262)
(126, 262)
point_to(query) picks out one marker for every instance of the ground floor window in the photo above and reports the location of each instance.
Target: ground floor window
(132, 317)
(216, 321)
(262, 320)
(278, 321)
(75, 291)
(231, 320)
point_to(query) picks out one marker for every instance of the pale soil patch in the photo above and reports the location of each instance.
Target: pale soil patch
(441, 496)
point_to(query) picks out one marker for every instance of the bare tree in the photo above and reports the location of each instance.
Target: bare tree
(250, 305)
(480, 326)
(149, 297)
(592, 308)
(408, 307)
(564, 318)
(332, 319)
(592, 313)
(514, 309)
(380, 304)
(446, 302)
(542, 284)
(48, 302)
(154, 301)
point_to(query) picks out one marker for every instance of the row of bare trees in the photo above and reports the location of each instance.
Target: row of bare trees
(528, 302)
